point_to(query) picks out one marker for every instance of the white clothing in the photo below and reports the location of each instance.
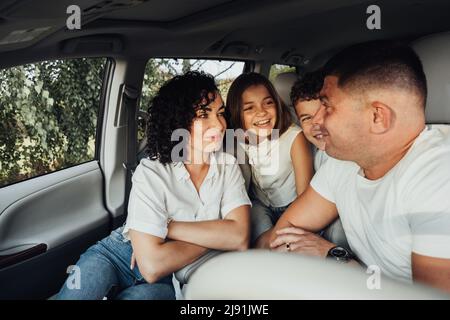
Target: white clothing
(273, 177)
(407, 210)
(160, 192)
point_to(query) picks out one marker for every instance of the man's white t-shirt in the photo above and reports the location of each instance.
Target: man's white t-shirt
(407, 210)
(160, 192)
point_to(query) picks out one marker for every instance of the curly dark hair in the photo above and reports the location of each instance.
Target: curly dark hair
(174, 107)
(308, 87)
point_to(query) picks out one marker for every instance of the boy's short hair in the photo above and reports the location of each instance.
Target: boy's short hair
(308, 87)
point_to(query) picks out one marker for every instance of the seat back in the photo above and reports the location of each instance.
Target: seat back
(283, 83)
(268, 275)
(434, 51)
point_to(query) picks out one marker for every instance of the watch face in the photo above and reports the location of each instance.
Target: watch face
(339, 252)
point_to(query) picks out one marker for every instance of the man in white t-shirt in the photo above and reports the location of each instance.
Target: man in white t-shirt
(389, 175)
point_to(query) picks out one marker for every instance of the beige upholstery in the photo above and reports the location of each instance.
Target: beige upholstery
(283, 84)
(261, 274)
(185, 273)
(335, 233)
(434, 51)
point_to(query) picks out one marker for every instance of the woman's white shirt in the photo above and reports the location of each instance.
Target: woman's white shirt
(160, 192)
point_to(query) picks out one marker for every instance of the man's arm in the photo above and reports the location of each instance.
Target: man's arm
(230, 233)
(310, 212)
(157, 258)
(434, 272)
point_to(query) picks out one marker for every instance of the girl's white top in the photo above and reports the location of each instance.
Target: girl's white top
(273, 177)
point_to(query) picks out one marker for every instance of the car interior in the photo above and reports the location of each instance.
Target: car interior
(48, 220)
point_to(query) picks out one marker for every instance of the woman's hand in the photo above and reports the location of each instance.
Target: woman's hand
(300, 241)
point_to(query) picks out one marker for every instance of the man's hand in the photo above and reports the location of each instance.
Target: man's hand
(300, 241)
(310, 211)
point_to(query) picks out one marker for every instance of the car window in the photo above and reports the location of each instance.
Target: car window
(48, 116)
(158, 71)
(276, 69)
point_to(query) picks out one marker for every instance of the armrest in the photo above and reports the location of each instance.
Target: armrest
(185, 273)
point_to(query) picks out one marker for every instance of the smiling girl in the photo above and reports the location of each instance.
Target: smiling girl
(277, 151)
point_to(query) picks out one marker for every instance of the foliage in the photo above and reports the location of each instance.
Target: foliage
(276, 69)
(48, 116)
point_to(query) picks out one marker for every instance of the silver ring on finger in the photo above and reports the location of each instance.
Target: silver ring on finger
(288, 246)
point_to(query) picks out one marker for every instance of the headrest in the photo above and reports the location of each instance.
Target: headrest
(283, 83)
(434, 51)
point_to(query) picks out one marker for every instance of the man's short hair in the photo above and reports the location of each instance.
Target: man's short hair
(379, 64)
(308, 87)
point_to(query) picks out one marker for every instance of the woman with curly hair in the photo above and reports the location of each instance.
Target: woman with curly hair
(183, 202)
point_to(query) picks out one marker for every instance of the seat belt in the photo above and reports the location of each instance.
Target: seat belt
(130, 98)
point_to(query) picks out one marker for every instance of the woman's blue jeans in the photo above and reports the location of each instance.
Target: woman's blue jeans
(106, 266)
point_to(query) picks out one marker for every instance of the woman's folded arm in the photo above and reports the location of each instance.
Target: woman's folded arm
(230, 233)
(157, 258)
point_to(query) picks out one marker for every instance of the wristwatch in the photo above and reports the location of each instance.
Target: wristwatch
(340, 254)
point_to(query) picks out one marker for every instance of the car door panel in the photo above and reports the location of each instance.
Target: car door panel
(56, 217)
